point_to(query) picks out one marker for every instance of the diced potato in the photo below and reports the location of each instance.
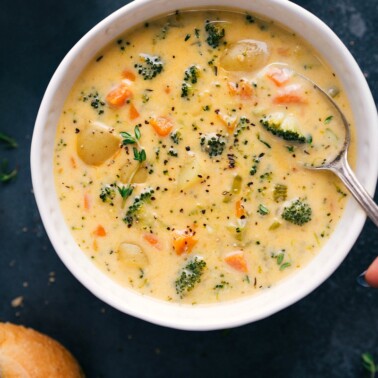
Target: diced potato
(189, 172)
(131, 172)
(245, 55)
(131, 255)
(96, 143)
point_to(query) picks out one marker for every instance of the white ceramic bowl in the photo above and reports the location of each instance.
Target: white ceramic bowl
(228, 314)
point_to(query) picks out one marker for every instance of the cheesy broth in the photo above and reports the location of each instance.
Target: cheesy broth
(179, 157)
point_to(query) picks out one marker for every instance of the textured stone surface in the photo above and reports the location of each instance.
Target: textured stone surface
(321, 336)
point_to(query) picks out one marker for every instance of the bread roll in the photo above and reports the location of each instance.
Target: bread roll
(25, 353)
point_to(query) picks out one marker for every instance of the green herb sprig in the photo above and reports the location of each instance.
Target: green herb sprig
(369, 364)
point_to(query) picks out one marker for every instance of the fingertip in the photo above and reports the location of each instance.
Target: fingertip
(371, 275)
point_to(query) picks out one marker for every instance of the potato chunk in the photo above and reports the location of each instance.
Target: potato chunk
(131, 255)
(245, 56)
(189, 172)
(96, 143)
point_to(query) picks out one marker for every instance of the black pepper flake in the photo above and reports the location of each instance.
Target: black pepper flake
(77, 131)
(99, 58)
(187, 148)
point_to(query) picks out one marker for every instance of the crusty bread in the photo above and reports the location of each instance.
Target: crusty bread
(25, 353)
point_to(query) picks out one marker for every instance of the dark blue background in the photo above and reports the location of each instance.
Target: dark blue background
(321, 336)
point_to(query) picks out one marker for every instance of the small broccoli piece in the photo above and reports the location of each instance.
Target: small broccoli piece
(108, 193)
(213, 144)
(299, 212)
(283, 127)
(190, 78)
(280, 193)
(256, 161)
(152, 66)
(176, 137)
(190, 276)
(132, 212)
(215, 33)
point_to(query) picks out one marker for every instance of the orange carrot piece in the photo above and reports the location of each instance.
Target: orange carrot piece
(133, 112)
(119, 95)
(100, 231)
(236, 260)
(167, 89)
(243, 89)
(73, 162)
(87, 201)
(183, 242)
(239, 208)
(126, 74)
(151, 239)
(162, 125)
(279, 76)
(290, 95)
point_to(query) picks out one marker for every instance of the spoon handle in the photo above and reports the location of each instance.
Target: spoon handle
(345, 173)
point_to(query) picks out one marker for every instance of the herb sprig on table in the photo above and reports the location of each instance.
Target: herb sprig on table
(7, 175)
(369, 364)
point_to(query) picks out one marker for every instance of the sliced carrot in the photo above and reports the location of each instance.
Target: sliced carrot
(151, 238)
(279, 76)
(183, 242)
(87, 201)
(100, 231)
(119, 95)
(291, 94)
(133, 112)
(283, 51)
(162, 125)
(73, 162)
(126, 74)
(236, 260)
(228, 121)
(243, 89)
(239, 208)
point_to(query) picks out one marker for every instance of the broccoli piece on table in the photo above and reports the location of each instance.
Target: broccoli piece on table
(190, 78)
(215, 33)
(282, 127)
(298, 212)
(213, 144)
(152, 66)
(189, 276)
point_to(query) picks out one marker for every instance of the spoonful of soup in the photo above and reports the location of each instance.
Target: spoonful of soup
(319, 144)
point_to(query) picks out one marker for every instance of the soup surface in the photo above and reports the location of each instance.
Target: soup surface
(179, 157)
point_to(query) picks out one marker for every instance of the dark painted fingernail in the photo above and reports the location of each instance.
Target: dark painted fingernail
(362, 281)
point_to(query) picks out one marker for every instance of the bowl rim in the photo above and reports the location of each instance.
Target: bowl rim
(187, 317)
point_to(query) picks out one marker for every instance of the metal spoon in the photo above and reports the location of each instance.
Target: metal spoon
(340, 166)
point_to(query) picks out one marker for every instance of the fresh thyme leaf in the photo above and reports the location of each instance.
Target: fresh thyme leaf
(4, 175)
(10, 142)
(369, 364)
(125, 192)
(285, 265)
(127, 138)
(328, 120)
(139, 155)
(137, 132)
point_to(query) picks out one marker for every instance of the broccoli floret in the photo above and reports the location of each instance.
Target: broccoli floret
(108, 193)
(132, 212)
(213, 144)
(299, 212)
(190, 78)
(189, 276)
(280, 193)
(256, 162)
(176, 137)
(152, 66)
(215, 32)
(282, 127)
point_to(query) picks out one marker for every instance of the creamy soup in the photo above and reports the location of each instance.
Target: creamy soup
(179, 157)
